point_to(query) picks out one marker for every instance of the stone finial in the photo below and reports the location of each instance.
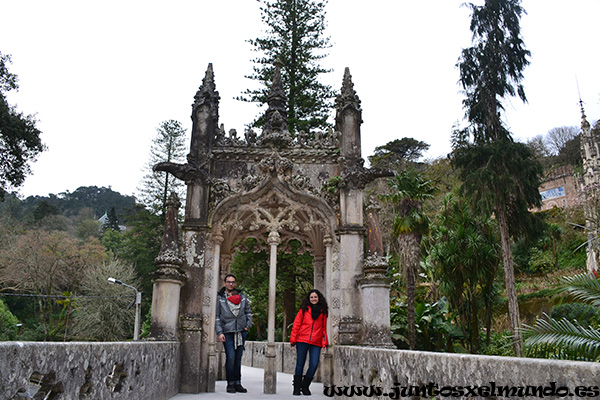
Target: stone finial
(207, 92)
(348, 96)
(275, 132)
(584, 122)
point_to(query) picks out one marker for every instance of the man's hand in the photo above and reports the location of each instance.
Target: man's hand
(222, 338)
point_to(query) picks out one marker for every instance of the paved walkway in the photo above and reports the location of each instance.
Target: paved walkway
(252, 379)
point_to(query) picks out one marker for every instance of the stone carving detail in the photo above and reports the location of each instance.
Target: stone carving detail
(356, 176)
(249, 182)
(206, 301)
(335, 303)
(220, 189)
(168, 261)
(208, 279)
(191, 322)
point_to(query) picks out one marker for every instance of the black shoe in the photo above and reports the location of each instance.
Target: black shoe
(231, 388)
(305, 386)
(297, 384)
(239, 388)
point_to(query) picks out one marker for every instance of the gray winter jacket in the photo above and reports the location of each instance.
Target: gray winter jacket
(225, 321)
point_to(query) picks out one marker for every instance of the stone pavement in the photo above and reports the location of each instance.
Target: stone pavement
(252, 379)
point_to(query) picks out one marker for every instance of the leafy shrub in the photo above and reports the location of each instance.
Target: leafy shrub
(585, 314)
(8, 323)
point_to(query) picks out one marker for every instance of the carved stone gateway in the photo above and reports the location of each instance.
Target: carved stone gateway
(276, 187)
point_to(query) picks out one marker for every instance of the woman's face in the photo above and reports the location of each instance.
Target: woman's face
(313, 298)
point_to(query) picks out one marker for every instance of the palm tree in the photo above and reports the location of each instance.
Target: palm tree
(566, 339)
(409, 190)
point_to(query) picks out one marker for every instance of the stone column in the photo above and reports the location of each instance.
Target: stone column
(375, 289)
(168, 279)
(319, 273)
(213, 367)
(270, 376)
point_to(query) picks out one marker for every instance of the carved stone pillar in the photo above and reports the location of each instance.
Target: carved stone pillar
(270, 376)
(168, 279)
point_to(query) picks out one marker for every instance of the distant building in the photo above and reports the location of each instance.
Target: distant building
(560, 188)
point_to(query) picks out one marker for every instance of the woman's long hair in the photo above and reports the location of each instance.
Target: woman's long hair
(321, 304)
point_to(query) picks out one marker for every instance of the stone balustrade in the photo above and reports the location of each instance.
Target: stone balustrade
(89, 370)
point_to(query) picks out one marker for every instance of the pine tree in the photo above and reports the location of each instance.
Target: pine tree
(499, 175)
(295, 38)
(167, 146)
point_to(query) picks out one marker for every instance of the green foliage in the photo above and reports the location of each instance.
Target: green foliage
(294, 273)
(294, 37)
(140, 246)
(97, 199)
(19, 137)
(408, 191)
(398, 153)
(43, 210)
(8, 323)
(435, 330)
(585, 314)
(168, 146)
(466, 253)
(500, 344)
(106, 315)
(567, 338)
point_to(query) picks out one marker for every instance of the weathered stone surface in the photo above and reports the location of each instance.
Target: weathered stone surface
(94, 371)
(390, 368)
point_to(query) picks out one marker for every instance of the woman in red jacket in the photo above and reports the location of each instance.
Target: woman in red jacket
(309, 335)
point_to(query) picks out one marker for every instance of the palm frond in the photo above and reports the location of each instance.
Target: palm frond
(584, 288)
(562, 339)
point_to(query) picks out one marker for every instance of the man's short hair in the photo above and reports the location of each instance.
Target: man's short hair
(229, 276)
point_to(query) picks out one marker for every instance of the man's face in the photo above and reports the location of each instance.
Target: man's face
(230, 283)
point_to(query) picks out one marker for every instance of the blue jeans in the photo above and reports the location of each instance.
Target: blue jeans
(233, 358)
(314, 353)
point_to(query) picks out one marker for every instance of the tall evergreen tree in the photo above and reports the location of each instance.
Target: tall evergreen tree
(294, 37)
(499, 175)
(167, 146)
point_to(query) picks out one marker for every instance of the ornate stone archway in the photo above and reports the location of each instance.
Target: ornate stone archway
(277, 187)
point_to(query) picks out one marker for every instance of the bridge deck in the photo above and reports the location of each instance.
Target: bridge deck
(252, 379)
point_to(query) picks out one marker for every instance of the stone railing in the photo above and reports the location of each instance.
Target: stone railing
(89, 370)
(392, 370)
(362, 366)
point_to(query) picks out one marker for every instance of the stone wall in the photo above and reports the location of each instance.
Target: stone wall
(361, 366)
(88, 370)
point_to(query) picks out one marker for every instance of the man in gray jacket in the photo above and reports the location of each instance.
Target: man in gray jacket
(233, 320)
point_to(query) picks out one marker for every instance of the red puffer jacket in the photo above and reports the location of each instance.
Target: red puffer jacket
(307, 330)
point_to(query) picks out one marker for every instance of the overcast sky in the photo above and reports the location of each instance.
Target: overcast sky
(102, 76)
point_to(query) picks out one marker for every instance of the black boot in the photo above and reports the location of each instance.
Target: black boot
(305, 384)
(297, 382)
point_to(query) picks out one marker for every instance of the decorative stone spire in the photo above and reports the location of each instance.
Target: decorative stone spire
(348, 96)
(348, 118)
(275, 132)
(205, 117)
(207, 93)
